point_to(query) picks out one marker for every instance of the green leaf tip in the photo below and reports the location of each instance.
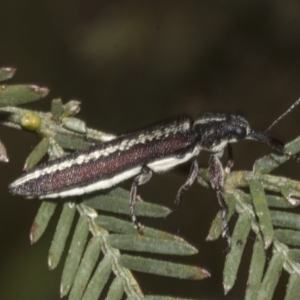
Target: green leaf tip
(71, 108)
(57, 109)
(288, 237)
(216, 227)
(262, 211)
(293, 288)
(86, 268)
(7, 73)
(41, 220)
(65, 113)
(284, 219)
(163, 268)
(61, 233)
(71, 142)
(256, 270)
(3, 153)
(75, 253)
(74, 124)
(98, 279)
(37, 154)
(233, 258)
(116, 289)
(152, 245)
(271, 277)
(11, 95)
(288, 193)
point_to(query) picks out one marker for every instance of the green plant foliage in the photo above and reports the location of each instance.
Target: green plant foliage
(256, 270)
(37, 154)
(20, 94)
(94, 253)
(234, 257)
(41, 220)
(61, 233)
(96, 250)
(262, 212)
(6, 73)
(256, 212)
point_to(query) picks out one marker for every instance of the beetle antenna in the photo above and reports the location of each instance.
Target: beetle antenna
(284, 114)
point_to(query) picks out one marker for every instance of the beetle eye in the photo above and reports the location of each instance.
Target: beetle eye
(240, 132)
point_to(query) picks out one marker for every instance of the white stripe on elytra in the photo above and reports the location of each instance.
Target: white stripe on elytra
(85, 158)
(165, 164)
(99, 185)
(157, 166)
(208, 119)
(218, 118)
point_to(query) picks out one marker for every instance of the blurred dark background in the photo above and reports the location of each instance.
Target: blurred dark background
(132, 63)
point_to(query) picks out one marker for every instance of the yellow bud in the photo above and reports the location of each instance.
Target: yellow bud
(31, 121)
